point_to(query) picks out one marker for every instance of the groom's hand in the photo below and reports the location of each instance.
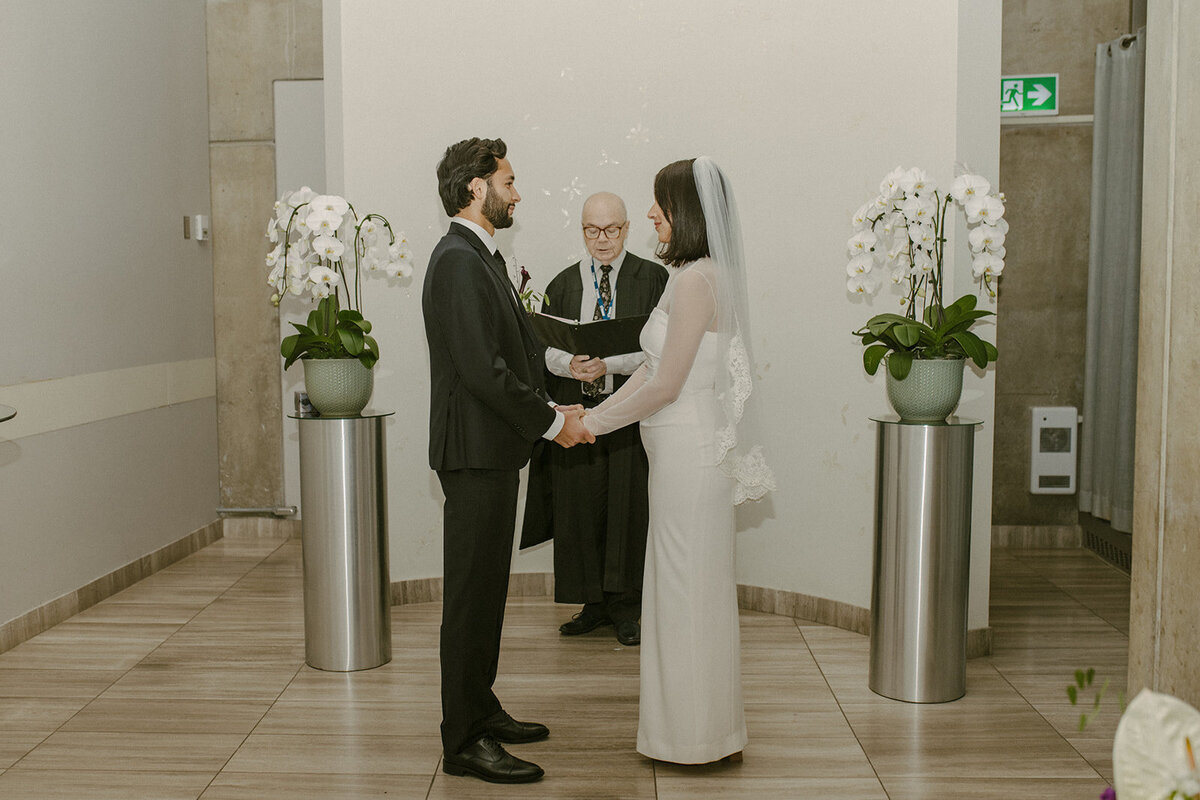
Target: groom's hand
(573, 431)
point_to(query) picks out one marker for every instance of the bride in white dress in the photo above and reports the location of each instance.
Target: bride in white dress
(693, 399)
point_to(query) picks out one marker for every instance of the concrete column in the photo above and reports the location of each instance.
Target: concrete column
(251, 43)
(1165, 615)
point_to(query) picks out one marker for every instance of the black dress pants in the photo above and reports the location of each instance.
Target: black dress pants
(479, 519)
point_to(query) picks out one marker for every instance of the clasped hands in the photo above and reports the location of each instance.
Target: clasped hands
(573, 430)
(587, 369)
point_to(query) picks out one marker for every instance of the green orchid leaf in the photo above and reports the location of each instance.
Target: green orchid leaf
(908, 334)
(872, 356)
(965, 303)
(899, 364)
(369, 344)
(303, 329)
(349, 315)
(1073, 694)
(990, 348)
(972, 347)
(352, 339)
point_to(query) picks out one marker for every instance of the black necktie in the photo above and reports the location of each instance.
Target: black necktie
(603, 305)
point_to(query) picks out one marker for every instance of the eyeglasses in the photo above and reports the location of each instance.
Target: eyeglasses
(611, 232)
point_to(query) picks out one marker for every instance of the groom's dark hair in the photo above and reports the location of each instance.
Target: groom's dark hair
(676, 194)
(463, 163)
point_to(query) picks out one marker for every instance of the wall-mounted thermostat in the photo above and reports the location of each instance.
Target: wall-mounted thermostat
(1052, 455)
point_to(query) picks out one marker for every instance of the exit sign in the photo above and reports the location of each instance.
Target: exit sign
(1028, 95)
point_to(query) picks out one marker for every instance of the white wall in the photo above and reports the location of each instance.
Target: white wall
(108, 346)
(805, 105)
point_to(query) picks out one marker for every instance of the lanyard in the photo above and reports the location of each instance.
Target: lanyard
(605, 308)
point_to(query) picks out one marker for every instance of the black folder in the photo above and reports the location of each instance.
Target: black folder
(599, 339)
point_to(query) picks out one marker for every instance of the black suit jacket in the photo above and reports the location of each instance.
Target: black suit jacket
(487, 404)
(639, 287)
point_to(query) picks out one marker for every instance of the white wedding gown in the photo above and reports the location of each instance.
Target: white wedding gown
(691, 686)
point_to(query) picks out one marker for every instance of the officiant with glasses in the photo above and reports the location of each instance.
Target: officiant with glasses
(592, 500)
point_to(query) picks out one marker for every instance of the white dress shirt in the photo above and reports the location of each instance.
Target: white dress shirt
(490, 243)
(559, 361)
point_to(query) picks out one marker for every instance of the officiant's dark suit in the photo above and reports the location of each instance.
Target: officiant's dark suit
(487, 411)
(593, 500)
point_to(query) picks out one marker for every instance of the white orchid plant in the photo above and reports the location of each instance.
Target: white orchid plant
(319, 241)
(900, 237)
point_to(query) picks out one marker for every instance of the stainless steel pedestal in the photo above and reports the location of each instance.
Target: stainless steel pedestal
(347, 585)
(922, 560)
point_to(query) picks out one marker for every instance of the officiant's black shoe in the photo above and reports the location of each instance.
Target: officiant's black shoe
(487, 760)
(583, 622)
(629, 633)
(503, 728)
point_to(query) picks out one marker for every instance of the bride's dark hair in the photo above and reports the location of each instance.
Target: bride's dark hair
(676, 194)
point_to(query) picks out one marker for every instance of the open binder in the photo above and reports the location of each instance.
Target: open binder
(599, 339)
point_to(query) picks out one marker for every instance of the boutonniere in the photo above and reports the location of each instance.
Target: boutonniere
(529, 297)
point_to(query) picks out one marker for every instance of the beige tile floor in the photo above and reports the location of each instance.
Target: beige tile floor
(191, 684)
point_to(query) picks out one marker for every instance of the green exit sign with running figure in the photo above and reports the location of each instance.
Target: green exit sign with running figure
(1028, 95)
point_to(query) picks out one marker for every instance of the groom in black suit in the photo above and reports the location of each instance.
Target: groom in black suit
(487, 410)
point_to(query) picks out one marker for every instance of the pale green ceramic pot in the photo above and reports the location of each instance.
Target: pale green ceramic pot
(930, 392)
(338, 387)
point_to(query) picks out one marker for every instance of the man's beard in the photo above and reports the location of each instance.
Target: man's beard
(495, 210)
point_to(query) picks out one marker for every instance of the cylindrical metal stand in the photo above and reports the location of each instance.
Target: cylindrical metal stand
(347, 585)
(922, 560)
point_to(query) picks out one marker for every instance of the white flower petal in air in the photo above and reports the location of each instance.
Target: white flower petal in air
(969, 187)
(296, 285)
(273, 256)
(861, 242)
(984, 208)
(860, 264)
(330, 202)
(900, 275)
(328, 247)
(1000, 225)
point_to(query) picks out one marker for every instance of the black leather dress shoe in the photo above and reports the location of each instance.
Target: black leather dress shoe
(583, 622)
(503, 728)
(487, 760)
(629, 633)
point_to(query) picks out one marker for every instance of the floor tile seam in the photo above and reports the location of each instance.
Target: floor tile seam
(250, 733)
(209, 604)
(1080, 604)
(1067, 593)
(1042, 716)
(199, 611)
(842, 711)
(433, 779)
(80, 710)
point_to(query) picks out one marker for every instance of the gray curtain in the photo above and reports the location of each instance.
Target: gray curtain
(1114, 268)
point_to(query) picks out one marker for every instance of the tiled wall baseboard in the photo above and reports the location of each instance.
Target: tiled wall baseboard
(44, 617)
(1037, 536)
(751, 598)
